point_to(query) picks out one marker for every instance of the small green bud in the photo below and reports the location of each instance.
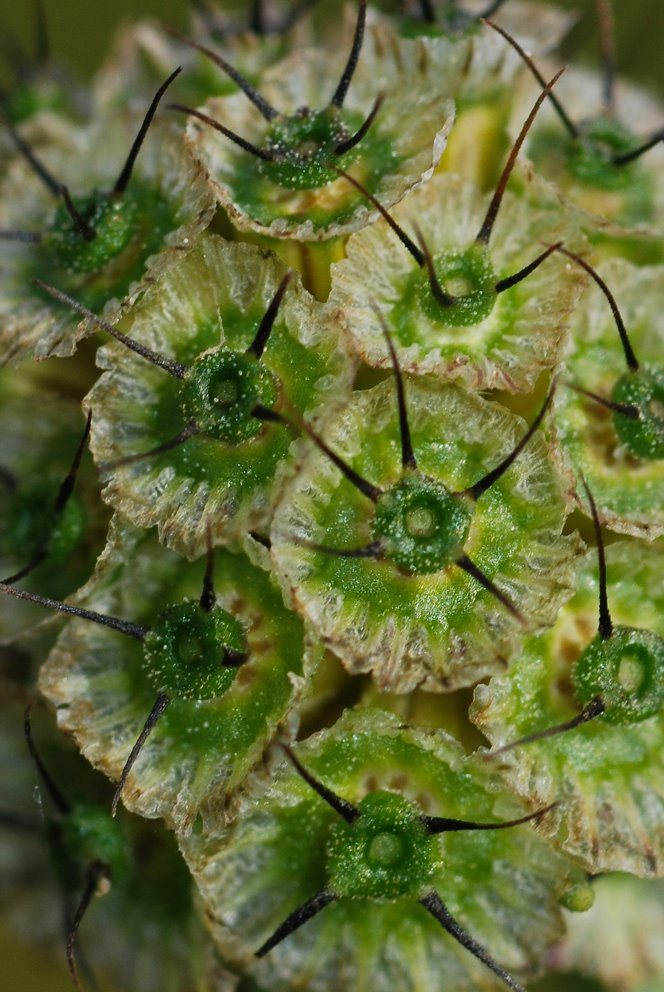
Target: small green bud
(384, 854)
(468, 277)
(221, 390)
(579, 898)
(421, 525)
(643, 436)
(184, 652)
(626, 670)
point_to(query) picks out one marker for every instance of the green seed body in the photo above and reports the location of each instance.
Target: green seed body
(468, 277)
(384, 854)
(221, 390)
(627, 671)
(184, 652)
(304, 146)
(644, 436)
(421, 525)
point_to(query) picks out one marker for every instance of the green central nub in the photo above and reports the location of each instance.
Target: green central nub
(466, 276)
(116, 222)
(643, 437)
(590, 156)
(88, 834)
(31, 522)
(386, 853)
(304, 149)
(220, 391)
(421, 525)
(627, 671)
(184, 653)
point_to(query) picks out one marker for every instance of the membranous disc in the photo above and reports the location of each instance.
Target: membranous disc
(399, 617)
(609, 770)
(138, 234)
(484, 339)
(104, 684)
(205, 315)
(619, 458)
(298, 194)
(286, 844)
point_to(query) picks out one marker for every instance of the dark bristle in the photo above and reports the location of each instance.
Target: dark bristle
(349, 71)
(190, 430)
(485, 230)
(122, 626)
(434, 904)
(523, 273)
(407, 242)
(160, 705)
(122, 181)
(624, 409)
(95, 873)
(407, 454)
(630, 357)
(247, 146)
(373, 550)
(354, 139)
(437, 291)
(61, 500)
(476, 573)
(174, 368)
(35, 163)
(481, 486)
(427, 11)
(594, 708)
(628, 157)
(607, 47)
(341, 806)
(264, 108)
(605, 625)
(28, 237)
(567, 121)
(57, 798)
(257, 346)
(366, 488)
(442, 824)
(492, 9)
(81, 226)
(257, 17)
(208, 598)
(296, 919)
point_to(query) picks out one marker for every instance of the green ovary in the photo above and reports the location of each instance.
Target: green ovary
(221, 390)
(643, 436)
(129, 228)
(31, 523)
(626, 670)
(591, 155)
(466, 276)
(386, 853)
(421, 525)
(185, 650)
(304, 149)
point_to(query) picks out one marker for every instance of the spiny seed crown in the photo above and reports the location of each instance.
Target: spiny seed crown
(591, 155)
(115, 221)
(468, 277)
(220, 391)
(626, 670)
(304, 146)
(184, 652)
(386, 853)
(643, 436)
(420, 524)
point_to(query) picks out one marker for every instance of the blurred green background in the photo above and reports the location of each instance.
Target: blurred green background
(80, 33)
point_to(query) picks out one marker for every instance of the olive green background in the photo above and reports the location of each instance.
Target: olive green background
(80, 32)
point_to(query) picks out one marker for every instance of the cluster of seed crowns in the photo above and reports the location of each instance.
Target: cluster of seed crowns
(301, 517)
